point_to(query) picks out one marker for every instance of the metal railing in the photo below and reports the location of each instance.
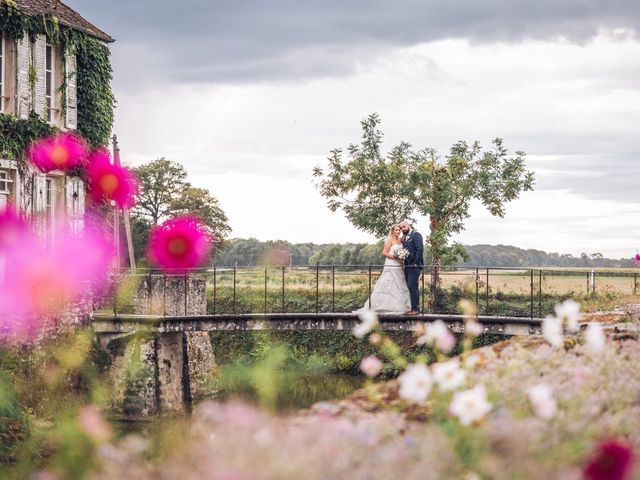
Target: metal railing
(518, 292)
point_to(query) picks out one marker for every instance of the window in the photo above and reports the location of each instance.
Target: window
(49, 79)
(2, 67)
(5, 182)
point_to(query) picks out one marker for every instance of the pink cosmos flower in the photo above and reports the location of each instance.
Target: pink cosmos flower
(371, 366)
(637, 258)
(612, 460)
(110, 182)
(179, 244)
(44, 279)
(61, 152)
(13, 229)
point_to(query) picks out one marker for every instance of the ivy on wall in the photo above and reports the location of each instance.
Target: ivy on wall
(94, 73)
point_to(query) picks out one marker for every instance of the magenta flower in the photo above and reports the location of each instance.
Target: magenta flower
(179, 244)
(637, 258)
(613, 460)
(62, 152)
(111, 182)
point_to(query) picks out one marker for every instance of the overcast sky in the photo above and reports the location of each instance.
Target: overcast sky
(250, 95)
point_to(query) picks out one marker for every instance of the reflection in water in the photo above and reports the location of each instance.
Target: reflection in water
(301, 390)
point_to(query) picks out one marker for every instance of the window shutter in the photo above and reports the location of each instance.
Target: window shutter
(22, 87)
(40, 90)
(72, 97)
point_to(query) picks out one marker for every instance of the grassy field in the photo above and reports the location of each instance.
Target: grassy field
(519, 292)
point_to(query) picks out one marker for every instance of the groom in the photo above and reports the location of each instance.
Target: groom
(412, 264)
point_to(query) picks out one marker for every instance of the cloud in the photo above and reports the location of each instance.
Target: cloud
(255, 40)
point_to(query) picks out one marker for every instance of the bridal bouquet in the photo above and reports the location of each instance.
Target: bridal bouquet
(401, 253)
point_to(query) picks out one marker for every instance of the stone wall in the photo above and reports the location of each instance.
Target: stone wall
(171, 295)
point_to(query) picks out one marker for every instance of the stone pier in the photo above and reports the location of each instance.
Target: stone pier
(156, 372)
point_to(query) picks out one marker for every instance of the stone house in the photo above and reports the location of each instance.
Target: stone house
(38, 78)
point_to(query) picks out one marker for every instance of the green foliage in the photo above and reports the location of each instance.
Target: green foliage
(161, 184)
(165, 192)
(95, 98)
(372, 190)
(199, 202)
(94, 73)
(17, 134)
(375, 191)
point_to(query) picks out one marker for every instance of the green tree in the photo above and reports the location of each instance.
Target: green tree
(199, 202)
(162, 182)
(375, 191)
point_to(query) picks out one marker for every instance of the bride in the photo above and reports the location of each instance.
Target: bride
(390, 294)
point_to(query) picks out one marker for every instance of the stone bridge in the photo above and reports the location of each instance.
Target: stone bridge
(170, 332)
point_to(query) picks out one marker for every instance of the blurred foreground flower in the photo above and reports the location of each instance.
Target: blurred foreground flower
(61, 152)
(415, 383)
(474, 328)
(470, 405)
(612, 461)
(110, 182)
(179, 244)
(439, 335)
(13, 229)
(41, 280)
(552, 331)
(448, 375)
(594, 337)
(542, 401)
(371, 366)
(637, 258)
(368, 321)
(568, 312)
(94, 425)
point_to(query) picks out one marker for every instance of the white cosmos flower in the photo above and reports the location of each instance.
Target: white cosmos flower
(448, 375)
(368, 320)
(552, 331)
(595, 338)
(415, 383)
(568, 312)
(438, 334)
(470, 405)
(472, 361)
(542, 401)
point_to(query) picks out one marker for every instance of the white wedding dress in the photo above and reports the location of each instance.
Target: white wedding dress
(390, 293)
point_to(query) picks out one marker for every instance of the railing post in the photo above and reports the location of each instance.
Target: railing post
(150, 293)
(215, 300)
(234, 288)
(369, 291)
(115, 300)
(540, 293)
(531, 280)
(333, 288)
(186, 307)
(164, 295)
(487, 294)
(265, 290)
(588, 284)
(477, 291)
(283, 306)
(317, 288)
(422, 285)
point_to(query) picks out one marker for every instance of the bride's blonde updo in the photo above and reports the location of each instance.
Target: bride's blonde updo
(393, 227)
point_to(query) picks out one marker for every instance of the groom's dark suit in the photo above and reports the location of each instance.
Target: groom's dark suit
(413, 266)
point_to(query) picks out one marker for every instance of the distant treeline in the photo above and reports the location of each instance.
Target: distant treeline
(249, 252)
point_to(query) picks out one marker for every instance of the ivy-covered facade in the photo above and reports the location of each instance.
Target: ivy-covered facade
(55, 75)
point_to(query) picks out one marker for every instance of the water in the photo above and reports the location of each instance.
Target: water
(299, 391)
